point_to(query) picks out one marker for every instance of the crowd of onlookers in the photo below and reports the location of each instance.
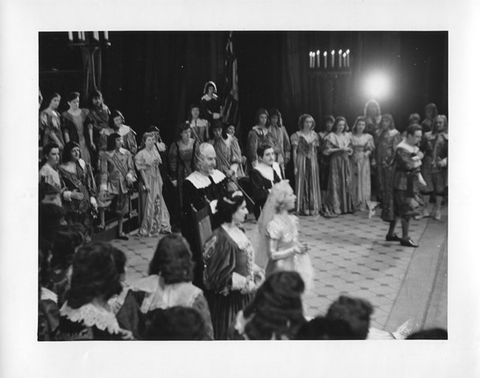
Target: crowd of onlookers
(227, 286)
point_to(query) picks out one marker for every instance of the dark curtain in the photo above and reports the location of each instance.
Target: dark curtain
(153, 77)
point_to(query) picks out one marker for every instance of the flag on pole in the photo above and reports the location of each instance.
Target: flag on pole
(231, 110)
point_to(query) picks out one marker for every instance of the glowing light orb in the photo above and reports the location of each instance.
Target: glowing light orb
(377, 85)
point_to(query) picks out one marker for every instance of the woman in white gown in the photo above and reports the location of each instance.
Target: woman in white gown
(277, 244)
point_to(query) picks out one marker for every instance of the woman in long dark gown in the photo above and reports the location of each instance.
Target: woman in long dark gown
(230, 276)
(77, 127)
(338, 146)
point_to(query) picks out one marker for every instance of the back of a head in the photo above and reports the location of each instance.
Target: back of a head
(277, 307)
(94, 274)
(175, 323)
(67, 239)
(355, 311)
(172, 260)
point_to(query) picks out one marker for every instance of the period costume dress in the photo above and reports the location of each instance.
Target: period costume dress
(77, 127)
(88, 322)
(406, 168)
(211, 107)
(324, 161)
(48, 175)
(200, 191)
(116, 170)
(48, 315)
(199, 127)
(79, 178)
(180, 159)
(339, 191)
(262, 179)
(435, 149)
(256, 137)
(283, 228)
(361, 185)
(99, 119)
(226, 159)
(229, 263)
(153, 213)
(154, 294)
(386, 144)
(307, 178)
(51, 123)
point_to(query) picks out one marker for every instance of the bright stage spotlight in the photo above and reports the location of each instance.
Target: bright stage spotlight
(377, 86)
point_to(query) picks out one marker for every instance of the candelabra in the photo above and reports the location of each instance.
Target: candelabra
(330, 62)
(91, 44)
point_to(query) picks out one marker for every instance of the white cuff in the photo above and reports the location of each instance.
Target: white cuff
(130, 177)
(93, 201)
(67, 195)
(213, 206)
(238, 281)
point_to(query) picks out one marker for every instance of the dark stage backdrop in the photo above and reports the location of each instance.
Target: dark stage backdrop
(153, 77)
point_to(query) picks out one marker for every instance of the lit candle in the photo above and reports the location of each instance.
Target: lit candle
(70, 36)
(83, 36)
(313, 59)
(348, 57)
(318, 58)
(96, 36)
(325, 60)
(333, 58)
(310, 59)
(339, 58)
(105, 34)
(344, 60)
(80, 35)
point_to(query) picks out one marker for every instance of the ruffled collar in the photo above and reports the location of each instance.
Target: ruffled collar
(206, 97)
(91, 315)
(161, 295)
(124, 130)
(200, 181)
(267, 171)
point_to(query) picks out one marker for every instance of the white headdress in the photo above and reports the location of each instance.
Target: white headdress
(273, 205)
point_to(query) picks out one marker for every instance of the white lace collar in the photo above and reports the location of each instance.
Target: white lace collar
(201, 181)
(92, 315)
(260, 130)
(161, 295)
(267, 171)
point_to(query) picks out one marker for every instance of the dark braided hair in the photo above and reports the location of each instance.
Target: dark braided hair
(276, 310)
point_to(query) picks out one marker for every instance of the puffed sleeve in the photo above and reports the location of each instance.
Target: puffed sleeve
(274, 230)
(201, 305)
(316, 140)
(131, 142)
(140, 162)
(370, 143)
(219, 259)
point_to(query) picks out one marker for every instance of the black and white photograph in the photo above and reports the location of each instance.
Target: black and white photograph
(288, 191)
